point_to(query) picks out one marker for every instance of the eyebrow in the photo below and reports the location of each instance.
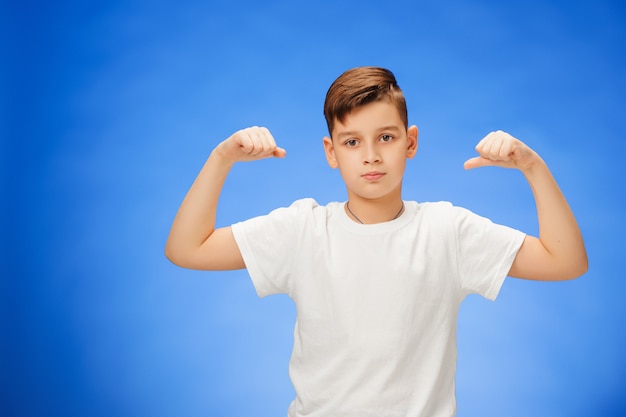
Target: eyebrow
(350, 133)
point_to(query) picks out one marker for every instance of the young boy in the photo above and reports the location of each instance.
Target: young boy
(377, 281)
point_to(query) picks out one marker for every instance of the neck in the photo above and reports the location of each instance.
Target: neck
(369, 213)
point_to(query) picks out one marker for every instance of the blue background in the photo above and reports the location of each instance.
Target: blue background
(110, 108)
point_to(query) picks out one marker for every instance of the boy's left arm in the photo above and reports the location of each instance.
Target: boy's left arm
(559, 251)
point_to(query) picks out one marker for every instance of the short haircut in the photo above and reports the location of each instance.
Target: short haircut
(358, 87)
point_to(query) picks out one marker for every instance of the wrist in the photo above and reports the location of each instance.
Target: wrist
(535, 167)
(220, 157)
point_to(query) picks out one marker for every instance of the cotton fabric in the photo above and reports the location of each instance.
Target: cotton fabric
(377, 304)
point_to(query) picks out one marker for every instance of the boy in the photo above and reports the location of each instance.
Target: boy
(377, 281)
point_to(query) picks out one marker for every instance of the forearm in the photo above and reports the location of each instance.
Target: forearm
(559, 251)
(558, 229)
(195, 219)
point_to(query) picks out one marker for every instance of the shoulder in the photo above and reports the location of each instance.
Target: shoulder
(302, 219)
(466, 224)
(444, 209)
(439, 210)
(298, 212)
(304, 207)
(309, 203)
(444, 215)
(434, 206)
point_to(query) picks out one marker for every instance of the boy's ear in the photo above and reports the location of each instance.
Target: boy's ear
(411, 135)
(329, 150)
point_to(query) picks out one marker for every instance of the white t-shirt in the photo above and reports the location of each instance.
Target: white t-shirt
(376, 304)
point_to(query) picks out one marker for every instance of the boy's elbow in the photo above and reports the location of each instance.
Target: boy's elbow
(170, 254)
(571, 265)
(175, 255)
(582, 267)
(564, 270)
(576, 269)
(582, 264)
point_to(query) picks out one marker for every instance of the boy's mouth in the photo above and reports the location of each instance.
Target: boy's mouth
(373, 176)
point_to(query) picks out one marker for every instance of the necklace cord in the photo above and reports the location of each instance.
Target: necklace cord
(361, 221)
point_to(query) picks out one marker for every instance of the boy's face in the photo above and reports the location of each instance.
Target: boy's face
(370, 148)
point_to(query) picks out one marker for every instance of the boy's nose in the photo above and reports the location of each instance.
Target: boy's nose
(372, 155)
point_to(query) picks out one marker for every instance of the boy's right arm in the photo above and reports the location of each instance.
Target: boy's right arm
(193, 241)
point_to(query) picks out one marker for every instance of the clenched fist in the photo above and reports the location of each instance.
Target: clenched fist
(501, 149)
(250, 144)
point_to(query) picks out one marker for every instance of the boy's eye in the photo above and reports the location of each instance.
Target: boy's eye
(386, 138)
(351, 142)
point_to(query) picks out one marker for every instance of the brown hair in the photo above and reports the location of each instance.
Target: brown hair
(358, 87)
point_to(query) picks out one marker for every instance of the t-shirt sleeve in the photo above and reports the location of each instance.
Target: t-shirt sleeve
(268, 245)
(485, 253)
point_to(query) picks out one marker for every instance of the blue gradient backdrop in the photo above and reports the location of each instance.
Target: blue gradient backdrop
(110, 108)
